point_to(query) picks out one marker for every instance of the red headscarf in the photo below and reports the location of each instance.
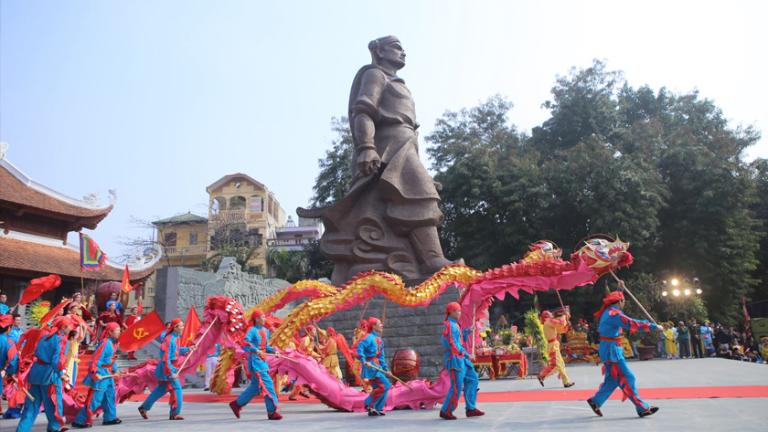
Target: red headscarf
(256, 314)
(62, 321)
(614, 297)
(545, 315)
(171, 325)
(372, 321)
(108, 329)
(450, 307)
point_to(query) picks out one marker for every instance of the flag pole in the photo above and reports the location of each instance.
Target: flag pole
(183, 363)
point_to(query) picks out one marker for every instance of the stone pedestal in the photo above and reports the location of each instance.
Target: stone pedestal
(404, 327)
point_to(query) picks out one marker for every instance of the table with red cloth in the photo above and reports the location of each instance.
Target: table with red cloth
(497, 363)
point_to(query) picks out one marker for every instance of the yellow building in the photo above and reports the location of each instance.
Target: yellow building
(242, 211)
(184, 239)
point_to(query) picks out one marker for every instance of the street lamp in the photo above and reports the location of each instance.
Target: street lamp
(664, 293)
(676, 292)
(698, 291)
(687, 292)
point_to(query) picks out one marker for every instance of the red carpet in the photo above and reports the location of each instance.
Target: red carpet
(548, 395)
(645, 393)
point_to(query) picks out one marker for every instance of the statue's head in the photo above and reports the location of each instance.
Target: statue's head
(387, 50)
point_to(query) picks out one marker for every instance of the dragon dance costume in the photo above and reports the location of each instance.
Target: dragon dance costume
(256, 344)
(553, 328)
(45, 378)
(616, 371)
(101, 383)
(166, 374)
(370, 349)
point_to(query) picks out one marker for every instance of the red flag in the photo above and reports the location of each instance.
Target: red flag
(191, 327)
(125, 285)
(141, 332)
(38, 286)
(53, 312)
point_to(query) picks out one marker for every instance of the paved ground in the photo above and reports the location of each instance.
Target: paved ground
(713, 414)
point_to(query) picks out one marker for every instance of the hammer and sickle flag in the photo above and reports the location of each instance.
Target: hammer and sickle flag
(141, 332)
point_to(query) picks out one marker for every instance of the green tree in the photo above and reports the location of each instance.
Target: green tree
(491, 184)
(335, 175)
(288, 265)
(760, 175)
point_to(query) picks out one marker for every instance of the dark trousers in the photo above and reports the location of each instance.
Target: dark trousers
(685, 348)
(696, 345)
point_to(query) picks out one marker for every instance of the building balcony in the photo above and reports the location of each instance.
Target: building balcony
(186, 250)
(229, 216)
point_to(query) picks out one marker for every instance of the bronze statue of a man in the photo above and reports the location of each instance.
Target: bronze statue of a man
(388, 220)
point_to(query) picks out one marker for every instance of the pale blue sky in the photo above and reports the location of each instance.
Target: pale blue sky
(158, 99)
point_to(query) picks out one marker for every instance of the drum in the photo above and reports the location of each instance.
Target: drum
(405, 364)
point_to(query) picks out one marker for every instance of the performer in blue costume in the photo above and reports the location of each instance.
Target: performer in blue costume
(16, 331)
(457, 362)
(9, 358)
(167, 371)
(616, 372)
(371, 352)
(46, 376)
(101, 381)
(257, 346)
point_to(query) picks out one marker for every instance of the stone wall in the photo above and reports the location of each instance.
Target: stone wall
(179, 288)
(404, 327)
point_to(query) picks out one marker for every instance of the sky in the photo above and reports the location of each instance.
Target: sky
(157, 100)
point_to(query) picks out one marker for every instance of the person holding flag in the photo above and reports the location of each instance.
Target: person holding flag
(167, 371)
(256, 344)
(46, 376)
(457, 362)
(554, 326)
(9, 358)
(101, 381)
(374, 362)
(616, 372)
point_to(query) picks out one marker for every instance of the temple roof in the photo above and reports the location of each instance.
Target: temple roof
(180, 219)
(42, 259)
(18, 190)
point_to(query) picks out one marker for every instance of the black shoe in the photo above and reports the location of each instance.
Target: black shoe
(541, 381)
(570, 384)
(594, 407)
(372, 412)
(81, 425)
(650, 411)
(116, 421)
(381, 413)
(143, 412)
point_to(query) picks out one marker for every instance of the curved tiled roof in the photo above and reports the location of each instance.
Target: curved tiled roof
(17, 188)
(61, 260)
